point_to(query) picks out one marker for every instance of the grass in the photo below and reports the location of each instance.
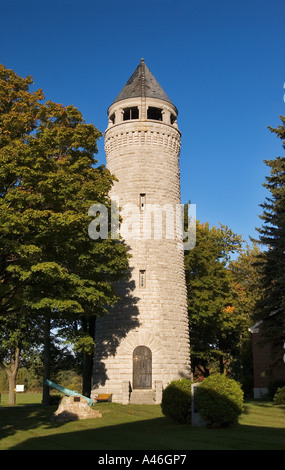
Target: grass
(28, 426)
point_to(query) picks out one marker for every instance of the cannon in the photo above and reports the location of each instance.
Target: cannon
(69, 393)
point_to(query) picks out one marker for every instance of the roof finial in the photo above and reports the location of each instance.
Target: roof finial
(142, 69)
(142, 84)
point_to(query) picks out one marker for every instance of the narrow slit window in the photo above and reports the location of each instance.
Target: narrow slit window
(142, 201)
(142, 278)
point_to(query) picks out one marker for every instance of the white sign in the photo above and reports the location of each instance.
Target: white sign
(20, 388)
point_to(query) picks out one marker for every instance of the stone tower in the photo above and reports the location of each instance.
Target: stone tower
(143, 343)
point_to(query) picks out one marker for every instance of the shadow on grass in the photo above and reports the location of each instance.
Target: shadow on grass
(87, 434)
(24, 418)
(142, 434)
(247, 408)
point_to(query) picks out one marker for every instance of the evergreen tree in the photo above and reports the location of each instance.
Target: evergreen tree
(271, 308)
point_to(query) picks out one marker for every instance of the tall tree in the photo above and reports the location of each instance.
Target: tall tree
(48, 181)
(247, 292)
(212, 319)
(271, 308)
(246, 281)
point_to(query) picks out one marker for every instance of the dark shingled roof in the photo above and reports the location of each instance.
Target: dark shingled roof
(142, 83)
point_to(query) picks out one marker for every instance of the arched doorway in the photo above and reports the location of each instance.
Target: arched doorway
(142, 368)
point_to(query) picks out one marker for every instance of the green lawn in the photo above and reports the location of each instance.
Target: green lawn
(139, 427)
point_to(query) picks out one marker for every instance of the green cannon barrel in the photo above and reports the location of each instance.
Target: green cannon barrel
(69, 393)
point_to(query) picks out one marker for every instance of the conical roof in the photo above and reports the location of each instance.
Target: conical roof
(142, 84)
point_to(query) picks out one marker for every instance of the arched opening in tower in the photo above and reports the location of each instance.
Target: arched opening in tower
(142, 368)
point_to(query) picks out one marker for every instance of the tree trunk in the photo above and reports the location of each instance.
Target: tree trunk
(15, 363)
(222, 366)
(203, 369)
(12, 389)
(12, 375)
(88, 360)
(46, 375)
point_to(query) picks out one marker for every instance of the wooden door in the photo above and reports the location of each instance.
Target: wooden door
(142, 368)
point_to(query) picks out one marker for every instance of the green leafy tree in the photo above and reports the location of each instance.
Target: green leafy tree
(48, 180)
(16, 336)
(247, 292)
(271, 307)
(246, 282)
(212, 317)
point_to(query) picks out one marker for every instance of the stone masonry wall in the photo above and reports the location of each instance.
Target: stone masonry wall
(144, 157)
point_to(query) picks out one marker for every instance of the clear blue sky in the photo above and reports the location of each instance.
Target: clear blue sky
(221, 62)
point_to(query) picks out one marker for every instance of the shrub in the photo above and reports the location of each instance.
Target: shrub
(219, 400)
(279, 397)
(176, 401)
(273, 387)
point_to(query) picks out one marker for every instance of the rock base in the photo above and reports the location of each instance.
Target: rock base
(74, 408)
